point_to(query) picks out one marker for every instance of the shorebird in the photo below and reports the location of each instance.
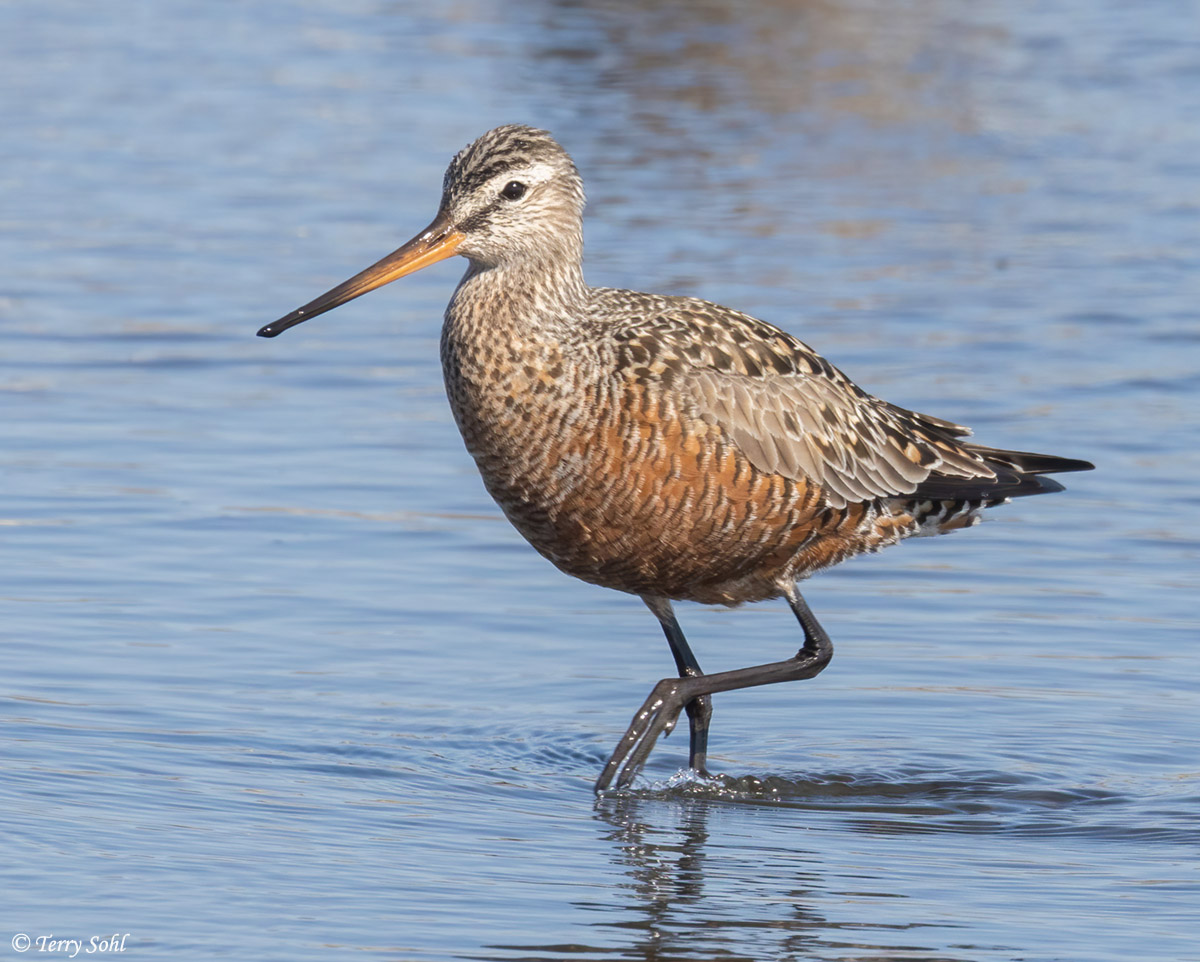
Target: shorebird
(666, 446)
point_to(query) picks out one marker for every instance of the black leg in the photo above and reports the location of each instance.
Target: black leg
(660, 711)
(699, 710)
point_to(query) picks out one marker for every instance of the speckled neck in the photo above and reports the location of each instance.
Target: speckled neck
(519, 301)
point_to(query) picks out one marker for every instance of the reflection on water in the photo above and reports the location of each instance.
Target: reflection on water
(696, 890)
(808, 61)
(279, 678)
(675, 879)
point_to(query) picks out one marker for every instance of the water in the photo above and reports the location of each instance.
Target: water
(280, 683)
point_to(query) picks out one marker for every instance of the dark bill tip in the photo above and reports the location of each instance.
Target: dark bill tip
(435, 243)
(275, 328)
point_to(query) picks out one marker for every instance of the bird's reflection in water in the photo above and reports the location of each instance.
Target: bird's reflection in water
(684, 902)
(734, 868)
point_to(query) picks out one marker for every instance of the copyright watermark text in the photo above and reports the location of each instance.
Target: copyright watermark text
(69, 948)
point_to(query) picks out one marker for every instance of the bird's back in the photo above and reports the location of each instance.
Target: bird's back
(669, 446)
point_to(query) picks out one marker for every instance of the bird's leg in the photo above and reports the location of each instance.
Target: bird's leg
(660, 711)
(699, 710)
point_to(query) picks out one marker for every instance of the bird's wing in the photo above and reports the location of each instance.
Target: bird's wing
(808, 425)
(793, 413)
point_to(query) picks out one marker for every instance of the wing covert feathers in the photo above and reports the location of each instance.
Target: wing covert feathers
(793, 413)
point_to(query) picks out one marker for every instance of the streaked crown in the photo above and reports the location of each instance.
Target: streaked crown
(515, 195)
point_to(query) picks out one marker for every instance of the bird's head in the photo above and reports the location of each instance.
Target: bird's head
(511, 198)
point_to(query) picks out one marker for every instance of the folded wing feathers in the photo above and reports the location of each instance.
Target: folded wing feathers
(818, 426)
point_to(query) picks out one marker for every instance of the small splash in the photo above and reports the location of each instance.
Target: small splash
(913, 800)
(690, 781)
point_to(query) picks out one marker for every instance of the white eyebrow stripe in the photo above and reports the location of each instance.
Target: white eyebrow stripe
(535, 172)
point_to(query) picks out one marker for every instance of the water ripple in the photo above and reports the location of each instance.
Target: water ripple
(914, 801)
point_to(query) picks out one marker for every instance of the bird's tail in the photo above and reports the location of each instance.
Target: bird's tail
(1018, 474)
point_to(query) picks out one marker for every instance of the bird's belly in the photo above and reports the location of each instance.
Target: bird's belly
(649, 501)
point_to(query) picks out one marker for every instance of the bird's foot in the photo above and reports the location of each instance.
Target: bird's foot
(657, 716)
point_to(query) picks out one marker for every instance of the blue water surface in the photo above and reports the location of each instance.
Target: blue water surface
(279, 681)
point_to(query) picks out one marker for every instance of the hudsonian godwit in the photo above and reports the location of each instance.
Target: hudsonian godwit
(667, 446)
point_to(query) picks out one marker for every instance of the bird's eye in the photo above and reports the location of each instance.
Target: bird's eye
(513, 190)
